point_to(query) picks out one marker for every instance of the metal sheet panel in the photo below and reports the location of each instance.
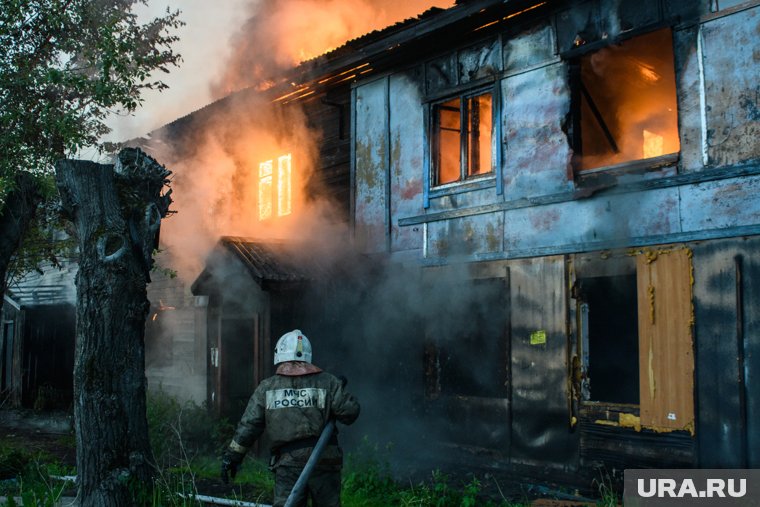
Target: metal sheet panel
(479, 234)
(719, 425)
(732, 90)
(371, 147)
(751, 343)
(479, 61)
(578, 25)
(407, 154)
(464, 199)
(689, 99)
(441, 73)
(540, 401)
(530, 48)
(720, 204)
(624, 16)
(537, 153)
(616, 217)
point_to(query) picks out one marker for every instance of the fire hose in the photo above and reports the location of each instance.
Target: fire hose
(298, 489)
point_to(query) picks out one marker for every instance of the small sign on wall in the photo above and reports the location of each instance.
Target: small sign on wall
(538, 337)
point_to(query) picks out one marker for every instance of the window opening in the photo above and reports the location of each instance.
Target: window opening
(463, 129)
(280, 203)
(265, 190)
(609, 313)
(627, 105)
(284, 190)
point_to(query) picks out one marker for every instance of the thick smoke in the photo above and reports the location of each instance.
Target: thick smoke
(414, 349)
(216, 157)
(407, 343)
(279, 34)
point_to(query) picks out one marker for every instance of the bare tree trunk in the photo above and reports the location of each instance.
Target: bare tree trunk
(16, 215)
(116, 212)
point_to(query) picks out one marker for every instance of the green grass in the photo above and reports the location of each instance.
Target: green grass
(188, 444)
(369, 482)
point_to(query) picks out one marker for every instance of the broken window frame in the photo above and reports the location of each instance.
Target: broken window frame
(580, 94)
(465, 182)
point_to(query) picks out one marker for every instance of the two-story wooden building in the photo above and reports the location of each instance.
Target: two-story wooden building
(564, 199)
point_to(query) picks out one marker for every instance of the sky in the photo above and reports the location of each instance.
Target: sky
(204, 46)
(232, 45)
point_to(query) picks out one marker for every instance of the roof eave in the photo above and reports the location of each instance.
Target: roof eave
(386, 48)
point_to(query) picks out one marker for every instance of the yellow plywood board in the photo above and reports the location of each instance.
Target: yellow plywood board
(666, 349)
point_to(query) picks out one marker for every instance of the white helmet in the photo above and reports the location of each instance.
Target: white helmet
(292, 346)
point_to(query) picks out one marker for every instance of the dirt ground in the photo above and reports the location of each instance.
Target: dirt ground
(50, 433)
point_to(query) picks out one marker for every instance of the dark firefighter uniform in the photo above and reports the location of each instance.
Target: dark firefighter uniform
(293, 406)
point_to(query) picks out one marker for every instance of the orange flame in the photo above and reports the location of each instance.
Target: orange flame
(283, 33)
(244, 168)
(629, 107)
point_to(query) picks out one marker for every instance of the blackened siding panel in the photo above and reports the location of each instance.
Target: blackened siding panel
(536, 150)
(720, 426)
(751, 332)
(540, 404)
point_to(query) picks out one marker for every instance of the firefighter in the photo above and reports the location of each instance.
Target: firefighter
(293, 406)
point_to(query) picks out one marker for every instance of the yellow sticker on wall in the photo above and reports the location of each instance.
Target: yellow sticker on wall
(538, 337)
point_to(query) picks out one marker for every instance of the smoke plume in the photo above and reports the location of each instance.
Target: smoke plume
(216, 157)
(279, 34)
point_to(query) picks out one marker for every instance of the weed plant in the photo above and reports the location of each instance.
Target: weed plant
(187, 443)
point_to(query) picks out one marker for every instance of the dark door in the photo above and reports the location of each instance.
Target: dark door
(239, 342)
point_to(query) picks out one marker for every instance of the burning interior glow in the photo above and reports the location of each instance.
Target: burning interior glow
(653, 144)
(265, 190)
(284, 188)
(628, 108)
(234, 171)
(474, 141)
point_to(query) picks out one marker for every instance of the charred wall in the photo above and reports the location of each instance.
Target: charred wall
(726, 319)
(539, 209)
(329, 115)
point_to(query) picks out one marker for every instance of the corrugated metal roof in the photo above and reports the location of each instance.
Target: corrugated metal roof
(271, 261)
(377, 50)
(49, 286)
(375, 35)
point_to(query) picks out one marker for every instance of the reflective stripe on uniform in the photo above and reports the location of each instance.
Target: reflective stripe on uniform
(234, 446)
(300, 398)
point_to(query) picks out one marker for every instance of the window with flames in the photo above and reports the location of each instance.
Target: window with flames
(462, 133)
(625, 103)
(275, 187)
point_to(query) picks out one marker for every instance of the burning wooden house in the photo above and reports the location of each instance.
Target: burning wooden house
(571, 189)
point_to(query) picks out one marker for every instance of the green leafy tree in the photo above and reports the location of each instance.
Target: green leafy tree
(65, 66)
